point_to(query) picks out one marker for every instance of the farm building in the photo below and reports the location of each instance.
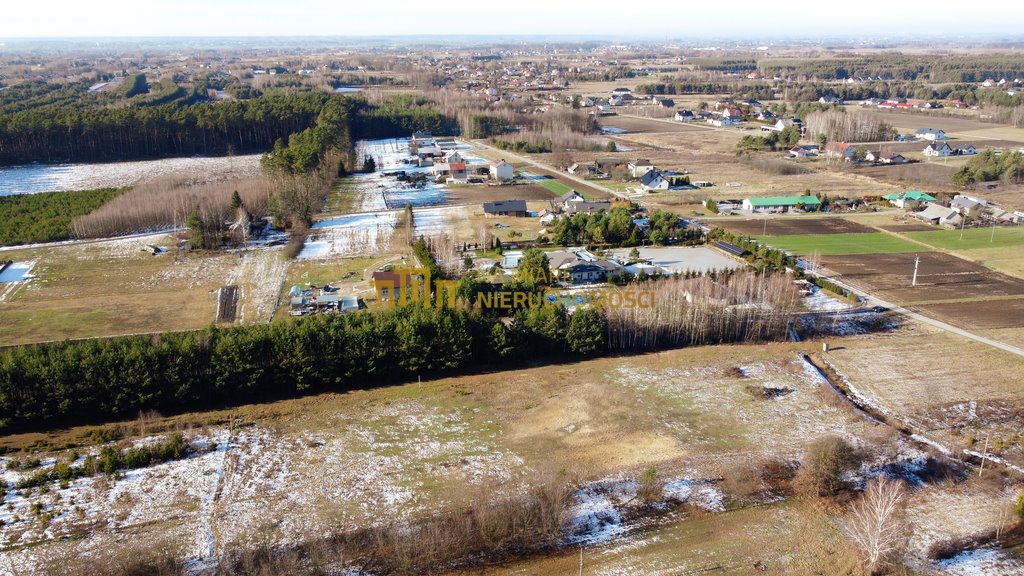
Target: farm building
(780, 203)
(505, 208)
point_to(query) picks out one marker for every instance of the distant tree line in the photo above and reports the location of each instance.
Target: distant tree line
(94, 134)
(926, 68)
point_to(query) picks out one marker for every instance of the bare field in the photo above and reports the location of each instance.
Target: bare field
(368, 457)
(940, 277)
(983, 314)
(636, 125)
(772, 226)
(113, 287)
(478, 194)
(911, 121)
(919, 376)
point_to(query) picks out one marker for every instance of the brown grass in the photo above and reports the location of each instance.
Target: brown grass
(167, 202)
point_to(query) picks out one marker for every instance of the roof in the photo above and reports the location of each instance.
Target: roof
(650, 176)
(588, 207)
(569, 195)
(505, 206)
(783, 200)
(457, 166)
(641, 162)
(911, 195)
(930, 131)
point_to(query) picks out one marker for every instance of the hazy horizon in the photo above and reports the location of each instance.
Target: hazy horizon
(653, 21)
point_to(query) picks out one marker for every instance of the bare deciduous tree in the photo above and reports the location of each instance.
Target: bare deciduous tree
(877, 522)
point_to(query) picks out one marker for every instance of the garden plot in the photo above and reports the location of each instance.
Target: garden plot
(356, 234)
(789, 226)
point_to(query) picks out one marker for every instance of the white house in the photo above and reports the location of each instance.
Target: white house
(684, 116)
(501, 171)
(654, 180)
(935, 149)
(931, 134)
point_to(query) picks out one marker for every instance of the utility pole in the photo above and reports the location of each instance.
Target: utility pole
(963, 222)
(993, 237)
(581, 560)
(917, 261)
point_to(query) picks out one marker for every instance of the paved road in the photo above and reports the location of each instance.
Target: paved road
(875, 301)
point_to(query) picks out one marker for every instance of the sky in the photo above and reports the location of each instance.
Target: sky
(653, 19)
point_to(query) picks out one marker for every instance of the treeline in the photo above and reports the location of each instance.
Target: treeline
(74, 381)
(670, 86)
(926, 68)
(989, 166)
(616, 228)
(403, 115)
(724, 64)
(65, 133)
(837, 125)
(47, 217)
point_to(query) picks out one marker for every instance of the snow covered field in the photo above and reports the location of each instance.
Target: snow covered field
(357, 234)
(36, 178)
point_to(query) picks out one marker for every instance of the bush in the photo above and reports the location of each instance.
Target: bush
(1019, 508)
(825, 462)
(650, 489)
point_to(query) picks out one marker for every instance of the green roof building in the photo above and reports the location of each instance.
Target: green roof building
(900, 199)
(779, 203)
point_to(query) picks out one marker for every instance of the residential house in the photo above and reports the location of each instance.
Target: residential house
(639, 167)
(505, 208)
(931, 134)
(937, 149)
(765, 115)
(908, 199)
(938, 214)
(835, 100)
(654, 180)
(387, 285)
(586, 207)
(894, 159)
(839, 150)
(501, 171)
(965, 151)
(664, 102)
(453, 156)
(684, 116)
(780, 203)
(968, 205)
(732, 113)
(580, 266)
(458, 172)
(563, 201)
(803, 151)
